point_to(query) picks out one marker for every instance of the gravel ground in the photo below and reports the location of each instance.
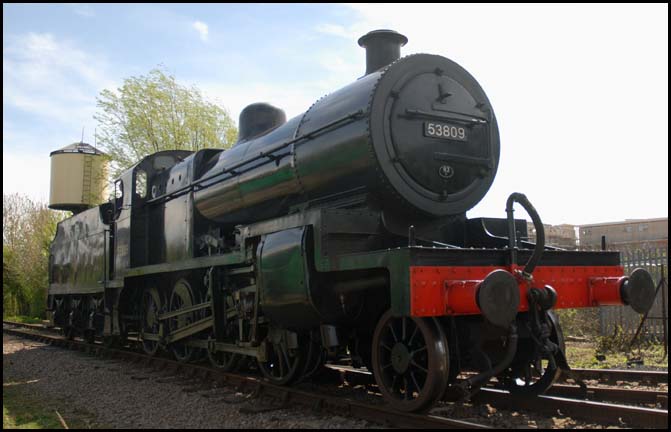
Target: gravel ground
(116, 395)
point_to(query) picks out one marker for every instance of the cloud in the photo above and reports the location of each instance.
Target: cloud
(202, 30)
(333, 30)
(52, 78)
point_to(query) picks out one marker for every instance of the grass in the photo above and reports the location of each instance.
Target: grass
(611, 351)
(22, 410)
(23, 319)
(584, 355)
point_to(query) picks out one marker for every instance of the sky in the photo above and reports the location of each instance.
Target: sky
(580, 91)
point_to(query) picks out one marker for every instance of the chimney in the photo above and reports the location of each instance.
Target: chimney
(382, 48)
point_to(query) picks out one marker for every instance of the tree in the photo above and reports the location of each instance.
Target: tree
(28, 228)
(153, 113)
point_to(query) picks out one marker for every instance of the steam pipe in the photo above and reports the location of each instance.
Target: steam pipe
(538, 225)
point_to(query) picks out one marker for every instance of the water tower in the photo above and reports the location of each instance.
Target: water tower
(78, 177)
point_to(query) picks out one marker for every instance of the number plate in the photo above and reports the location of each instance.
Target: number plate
(445, 131)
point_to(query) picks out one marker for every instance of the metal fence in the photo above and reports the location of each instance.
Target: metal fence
(655, 260)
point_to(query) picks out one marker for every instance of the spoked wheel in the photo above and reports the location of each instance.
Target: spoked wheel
(181, 297)
(151, 306)
(535, 372)
(410, 361)
(283, 365)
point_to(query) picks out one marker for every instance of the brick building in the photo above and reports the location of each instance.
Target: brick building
(627, 234)
(563, 236)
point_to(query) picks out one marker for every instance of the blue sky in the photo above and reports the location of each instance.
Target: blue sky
(580, 92)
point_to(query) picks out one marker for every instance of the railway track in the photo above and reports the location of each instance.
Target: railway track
(585, 403)
(614, 375)
(592, 393)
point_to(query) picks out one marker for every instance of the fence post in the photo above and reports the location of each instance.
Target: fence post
(645, 316)
(664, 319)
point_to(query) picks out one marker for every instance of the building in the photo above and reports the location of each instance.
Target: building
(628, 234)
(563, 236)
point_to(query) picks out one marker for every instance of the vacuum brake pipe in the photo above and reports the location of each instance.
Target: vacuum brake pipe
(512, 235)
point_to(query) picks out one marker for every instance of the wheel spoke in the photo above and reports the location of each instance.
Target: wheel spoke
(286, 357)
(412, 362)
(413, 335)
(393, 384)
(414, 380)
(279, 360)
(393, 333)
(412, 353)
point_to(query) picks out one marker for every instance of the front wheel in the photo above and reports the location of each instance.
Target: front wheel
(410, 361)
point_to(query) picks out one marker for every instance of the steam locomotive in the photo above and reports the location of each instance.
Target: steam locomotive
(340, 232)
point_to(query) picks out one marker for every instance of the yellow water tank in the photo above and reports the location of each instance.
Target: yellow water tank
(78, 177)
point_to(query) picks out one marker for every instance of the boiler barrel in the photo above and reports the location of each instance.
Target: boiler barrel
(418, 137)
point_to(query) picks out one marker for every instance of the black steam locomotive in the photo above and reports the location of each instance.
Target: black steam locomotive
(341, 232)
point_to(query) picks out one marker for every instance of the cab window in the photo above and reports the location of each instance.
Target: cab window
(141, 184)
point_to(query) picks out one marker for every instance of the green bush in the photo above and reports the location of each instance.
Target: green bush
(579, 322)
(28, 227)
(618, 341)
